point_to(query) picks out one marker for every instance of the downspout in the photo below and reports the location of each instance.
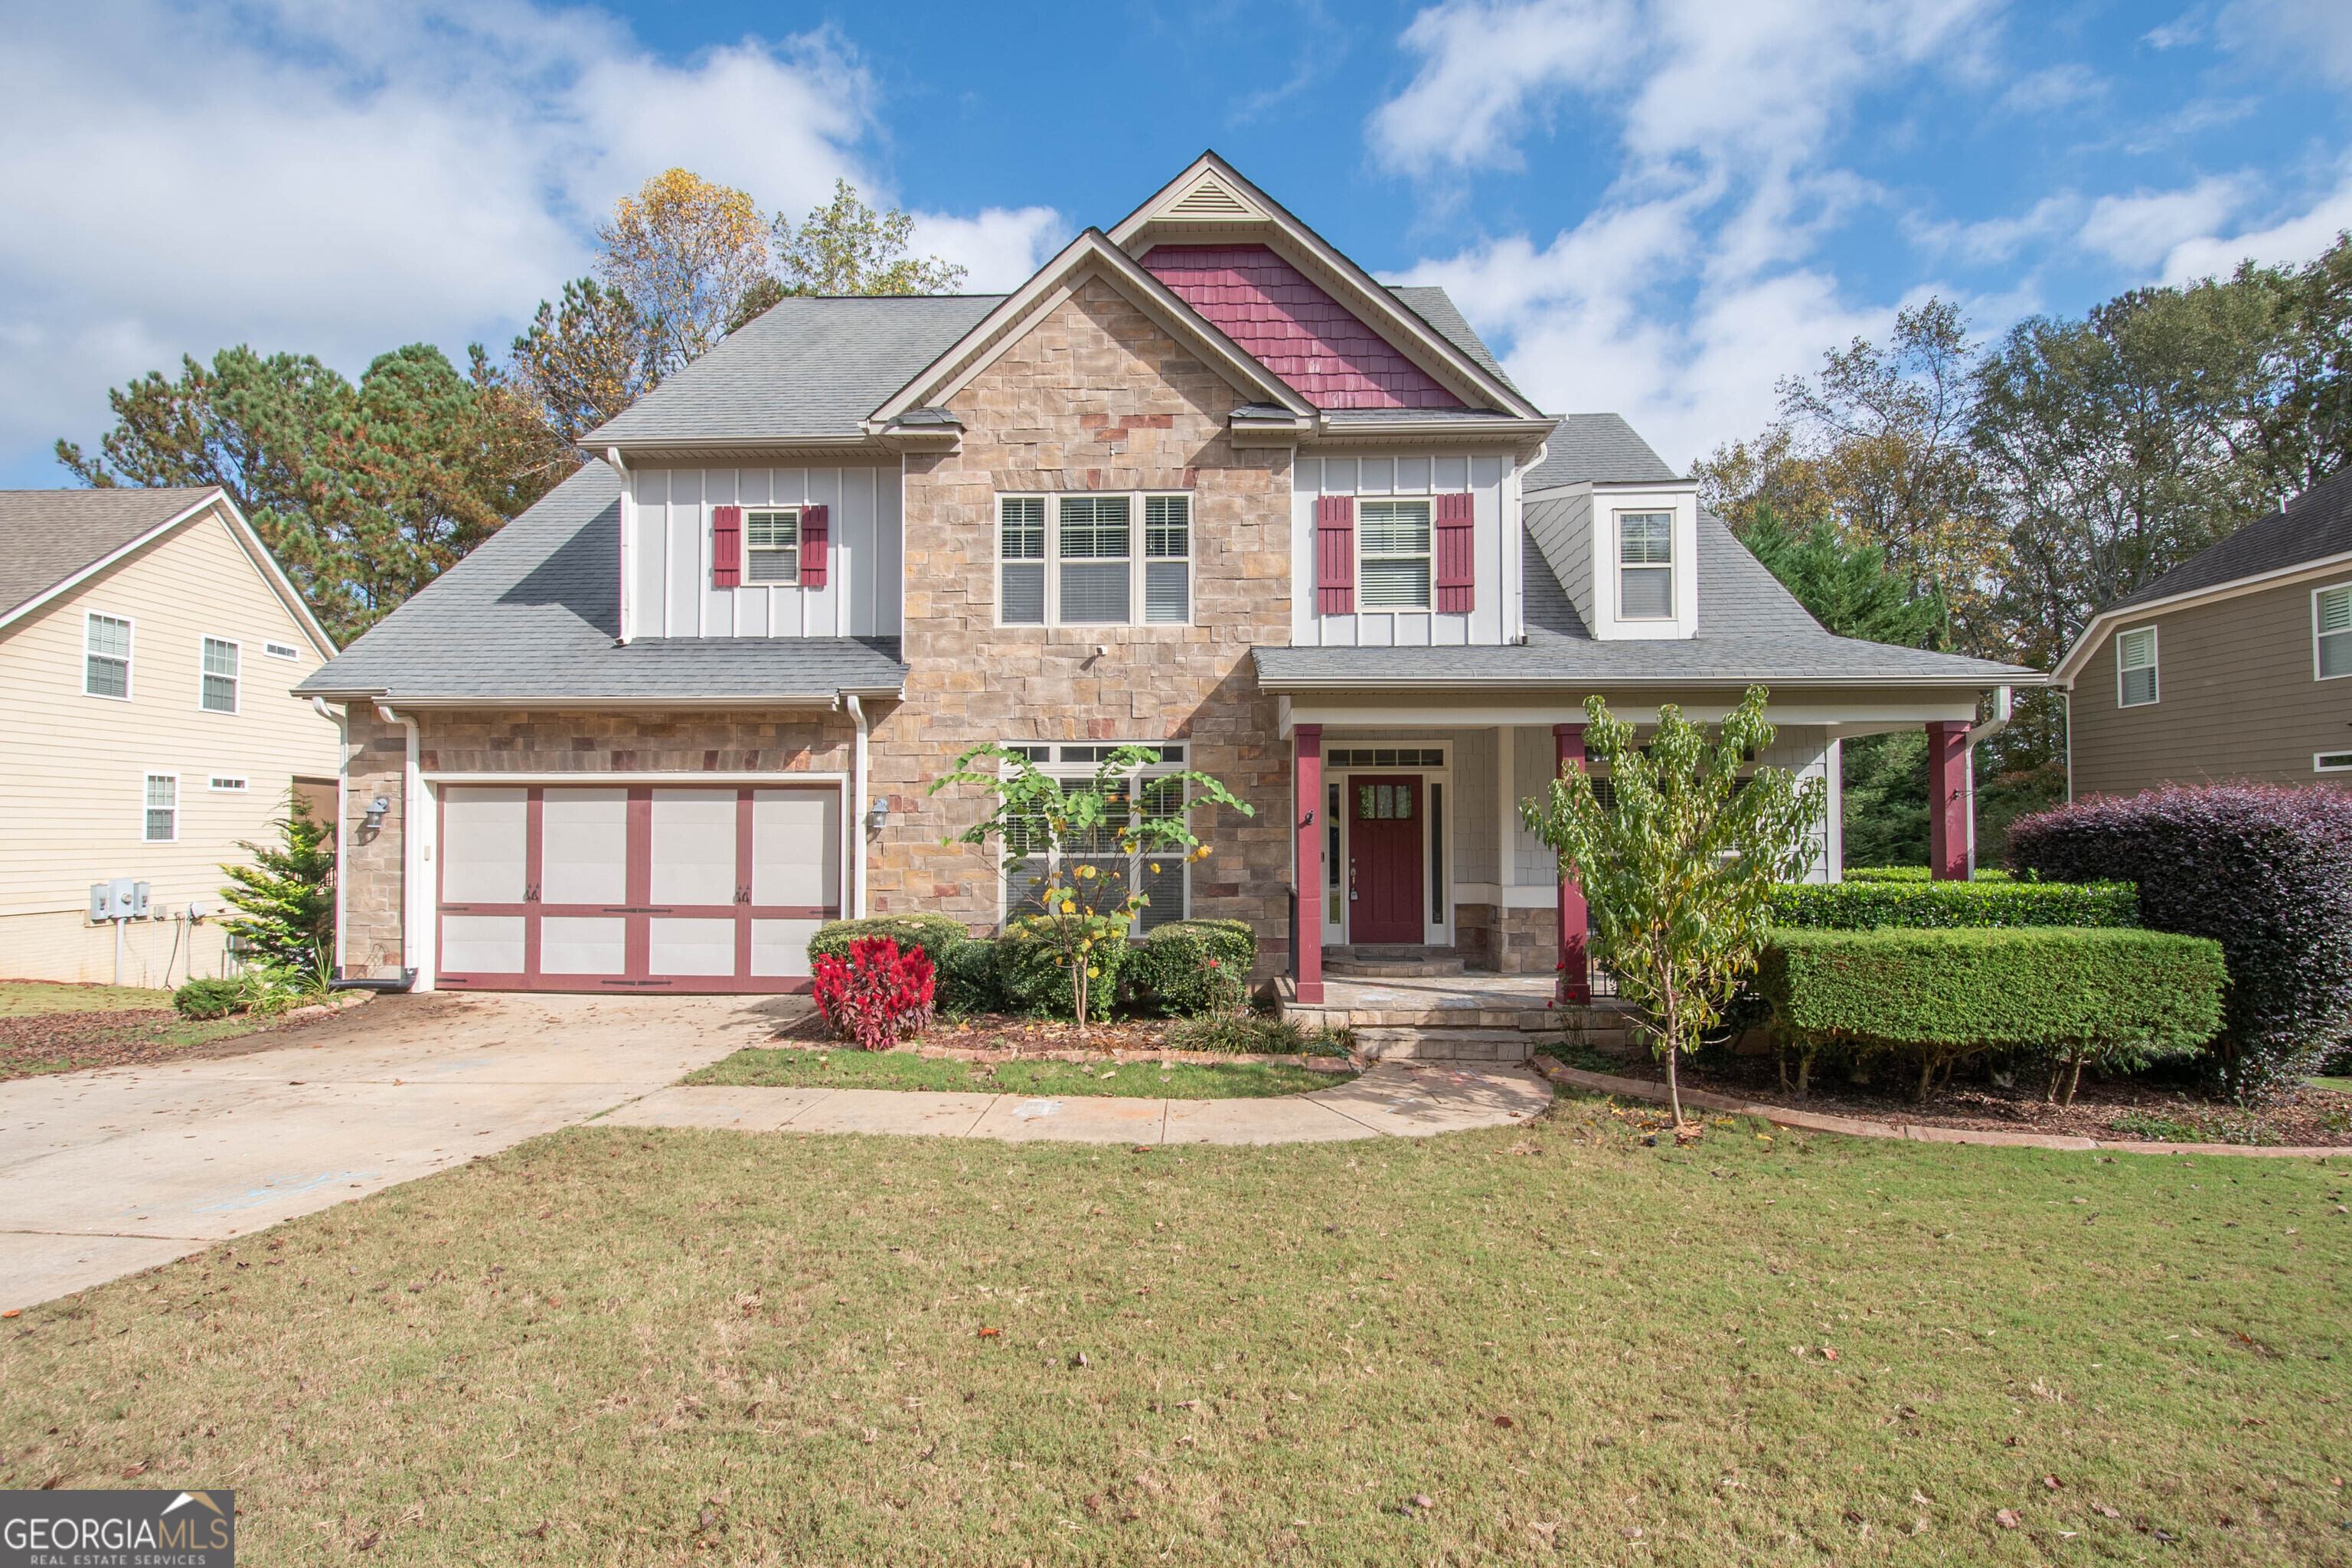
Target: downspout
(623, 518)
(415, 909)
(342, 816)
(857, 806)
(1984, 731)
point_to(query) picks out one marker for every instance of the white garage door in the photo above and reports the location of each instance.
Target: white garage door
(578, 888)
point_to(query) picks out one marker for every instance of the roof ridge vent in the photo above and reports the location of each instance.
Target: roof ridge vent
(1209, 198)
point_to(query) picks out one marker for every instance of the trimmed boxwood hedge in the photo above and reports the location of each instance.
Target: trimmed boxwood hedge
(1189, 968)
(1034, 980)
(967, 981)
(1864, 906)
(1910, 874)
(936, 935)
(1937, 996)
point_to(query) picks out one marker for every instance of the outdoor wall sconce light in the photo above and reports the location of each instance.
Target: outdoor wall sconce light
(877, 814)
(375, 813)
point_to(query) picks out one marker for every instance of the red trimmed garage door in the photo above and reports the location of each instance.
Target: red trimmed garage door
(572, 887)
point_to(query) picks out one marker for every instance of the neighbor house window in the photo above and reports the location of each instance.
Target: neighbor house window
(220, 676)
(106, 656)
(1646, 566)
(772, 546)
(2135, 666)
(1073, 560)
(281, 650)
(1163, 879)
(162, 808)
(1393, 550)
(225, 783)
(2331, 610)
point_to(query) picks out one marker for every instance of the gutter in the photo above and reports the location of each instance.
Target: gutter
(683, 702)
(1477, 682)
(1984, 731)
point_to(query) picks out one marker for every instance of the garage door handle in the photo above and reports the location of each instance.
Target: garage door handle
(742, 895)
(531, 894)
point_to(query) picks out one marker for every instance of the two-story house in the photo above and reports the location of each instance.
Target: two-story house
(2224, 668)
(149, 645)
(1201, 482)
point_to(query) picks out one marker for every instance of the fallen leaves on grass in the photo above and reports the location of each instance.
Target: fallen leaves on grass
(2007, 1518)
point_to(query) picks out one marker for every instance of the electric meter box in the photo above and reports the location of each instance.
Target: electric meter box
(119, 900)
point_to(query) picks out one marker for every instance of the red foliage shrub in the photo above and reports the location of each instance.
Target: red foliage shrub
(877, 995)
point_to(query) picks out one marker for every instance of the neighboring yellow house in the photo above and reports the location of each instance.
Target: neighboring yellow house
(148, 644)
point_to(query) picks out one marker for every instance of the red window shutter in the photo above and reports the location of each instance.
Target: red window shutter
(1335, 555)
(1456, 554)
(814, 529)
(726, 547)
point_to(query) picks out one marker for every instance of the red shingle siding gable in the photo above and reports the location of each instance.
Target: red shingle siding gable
(1293, 328)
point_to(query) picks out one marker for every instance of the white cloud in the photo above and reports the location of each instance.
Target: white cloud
(343, 176)
(2188, 28)
(2139, 230)
(2314, 33)
(2054, 87)
(999, 248)
(1484, 62)
(2291, 240)
(1998, 239)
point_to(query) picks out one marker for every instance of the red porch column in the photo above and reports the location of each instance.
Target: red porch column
(1575, 969)
(1308, 881)
(1948, 800)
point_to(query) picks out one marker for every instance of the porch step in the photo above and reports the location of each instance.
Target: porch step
(1458, 1034)
(1371, 961)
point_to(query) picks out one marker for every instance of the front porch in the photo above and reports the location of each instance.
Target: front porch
(1462, 1017)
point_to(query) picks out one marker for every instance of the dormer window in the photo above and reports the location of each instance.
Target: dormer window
(1645, 569)
(1392, 540)
(772, 546)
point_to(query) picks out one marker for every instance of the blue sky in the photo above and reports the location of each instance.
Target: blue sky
(1660, 209)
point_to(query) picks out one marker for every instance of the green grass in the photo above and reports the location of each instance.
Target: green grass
(613, 1346)
(2340, 1085)
(795, 1067)
(24, 998)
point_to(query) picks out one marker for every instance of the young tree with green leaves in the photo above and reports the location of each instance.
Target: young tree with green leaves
(1084, 834)
(286, 900)
(1678, 863)
(847, 247)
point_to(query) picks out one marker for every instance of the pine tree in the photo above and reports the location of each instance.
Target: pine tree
(286, 898)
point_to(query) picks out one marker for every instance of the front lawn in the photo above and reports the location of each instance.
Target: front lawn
(49, 1027)
(612, 1346)
(791, 1068)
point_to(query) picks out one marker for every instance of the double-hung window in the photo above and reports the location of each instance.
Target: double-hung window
(162, 808)
(1081, 560)
(1646, 566)
(220, 676)
(2135, 666)
(1095, 872)
(106, 656)
(772, 546)
(1392, 546)
(2331, 621)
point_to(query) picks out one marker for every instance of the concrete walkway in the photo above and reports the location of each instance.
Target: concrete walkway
(102, 1174)
(1394, 1100)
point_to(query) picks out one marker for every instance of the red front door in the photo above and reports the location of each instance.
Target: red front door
(1384, 899)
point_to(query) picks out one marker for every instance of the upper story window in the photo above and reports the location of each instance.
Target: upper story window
(220, 676)
(106, 656)
(1079, 560)
(1646, 566)
(162, 808)
(2331, 621)
(1393, 570)
(772, 546)
(281, 650)
(2135, 666)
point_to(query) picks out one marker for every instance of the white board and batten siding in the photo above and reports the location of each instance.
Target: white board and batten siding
(1495, 615)
(667, 549)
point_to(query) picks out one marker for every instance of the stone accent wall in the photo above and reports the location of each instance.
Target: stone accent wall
(1531, 943)
(603, 748)
(1094, 397)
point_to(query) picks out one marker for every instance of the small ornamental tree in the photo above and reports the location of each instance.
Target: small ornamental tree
(1679, 864)
(286, 900)
(1068, 847)
(877, 995)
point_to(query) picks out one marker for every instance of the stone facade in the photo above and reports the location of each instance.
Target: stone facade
(601, 748)
(1092, 397)
(1529, 944)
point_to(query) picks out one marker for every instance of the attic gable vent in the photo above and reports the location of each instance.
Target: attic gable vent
(1209, 198)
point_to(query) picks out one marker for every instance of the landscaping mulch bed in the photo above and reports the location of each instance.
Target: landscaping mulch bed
(2106, 1109)
(38, 1044)
(998, 1036)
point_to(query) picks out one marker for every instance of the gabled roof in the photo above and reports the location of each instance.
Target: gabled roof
(52, 539)
(1596, 448)
(531, 616)
(808, 369)
(2314, 530)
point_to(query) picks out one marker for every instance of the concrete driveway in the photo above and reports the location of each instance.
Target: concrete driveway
(102, 1174)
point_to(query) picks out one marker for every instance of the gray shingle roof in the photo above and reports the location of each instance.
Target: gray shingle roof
(1751, 630)
(531, 615)
(1436, 307)
(809, 367)
(1596, 448)
(47, 536)
(2316, 524)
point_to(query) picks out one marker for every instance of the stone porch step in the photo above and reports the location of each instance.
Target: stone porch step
(1390, 961)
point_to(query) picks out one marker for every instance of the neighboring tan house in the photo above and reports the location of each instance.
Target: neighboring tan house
(1201, 482)
(149, 645)
(2231, 666)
